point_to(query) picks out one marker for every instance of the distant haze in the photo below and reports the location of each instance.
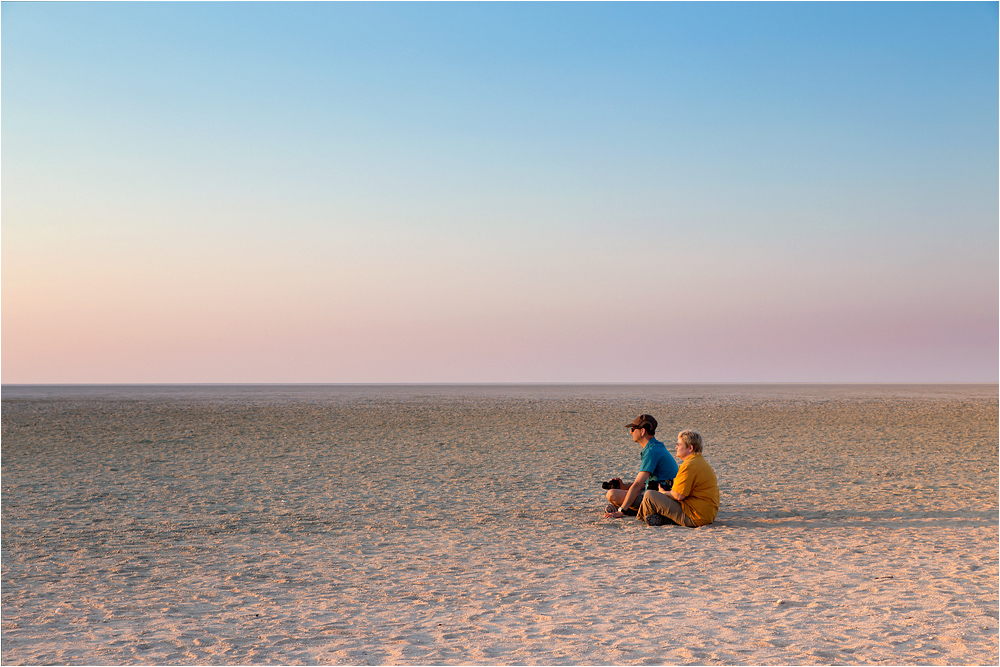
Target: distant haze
(522, 192)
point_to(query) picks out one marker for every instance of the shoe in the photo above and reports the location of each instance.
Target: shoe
(656, 520)
(611, 507)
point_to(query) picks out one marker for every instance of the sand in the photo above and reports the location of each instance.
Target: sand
(457, 525)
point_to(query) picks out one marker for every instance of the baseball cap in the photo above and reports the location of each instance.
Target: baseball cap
(643, 421)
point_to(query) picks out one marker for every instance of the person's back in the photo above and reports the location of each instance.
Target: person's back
(657, 461)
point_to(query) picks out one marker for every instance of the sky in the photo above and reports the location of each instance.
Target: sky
(477, 192)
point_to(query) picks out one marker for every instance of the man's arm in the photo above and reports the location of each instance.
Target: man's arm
(634, 491)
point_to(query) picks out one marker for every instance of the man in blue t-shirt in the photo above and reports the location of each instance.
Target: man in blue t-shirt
(656, 464)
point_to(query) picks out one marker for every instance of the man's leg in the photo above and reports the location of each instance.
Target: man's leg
(617, 496)
(654, 502)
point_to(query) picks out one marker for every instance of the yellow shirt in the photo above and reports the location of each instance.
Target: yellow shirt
(696, 480)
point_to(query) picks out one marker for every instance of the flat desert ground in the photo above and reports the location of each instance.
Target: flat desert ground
(464, 525)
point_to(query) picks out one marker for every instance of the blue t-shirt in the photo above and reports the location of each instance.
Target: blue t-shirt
(657, 461)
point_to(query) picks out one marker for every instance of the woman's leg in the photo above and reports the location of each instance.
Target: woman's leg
(664, 504)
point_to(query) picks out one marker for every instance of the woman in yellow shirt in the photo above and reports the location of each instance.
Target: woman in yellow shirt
(693, 500)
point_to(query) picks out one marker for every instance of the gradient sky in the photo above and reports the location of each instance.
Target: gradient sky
(708, 192)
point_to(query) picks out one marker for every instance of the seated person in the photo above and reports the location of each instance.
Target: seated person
(656, 463)
(693, 499)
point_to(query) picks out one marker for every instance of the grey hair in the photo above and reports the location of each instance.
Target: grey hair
(691, 439)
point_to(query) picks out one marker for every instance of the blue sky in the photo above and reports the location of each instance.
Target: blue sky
(424, 192)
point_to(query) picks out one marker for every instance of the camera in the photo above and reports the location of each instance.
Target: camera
(616, 483)
(654, 485)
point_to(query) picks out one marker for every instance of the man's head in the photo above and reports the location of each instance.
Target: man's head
(688, 441)
(643, 422)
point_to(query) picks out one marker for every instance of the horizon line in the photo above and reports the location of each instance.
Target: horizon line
(482, 384)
